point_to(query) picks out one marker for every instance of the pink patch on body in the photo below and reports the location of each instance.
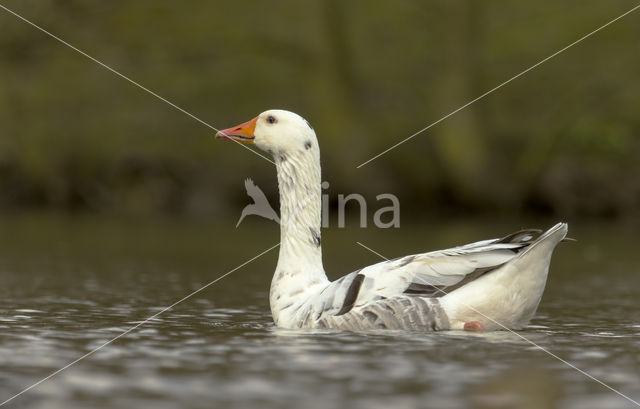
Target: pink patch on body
(473, 326)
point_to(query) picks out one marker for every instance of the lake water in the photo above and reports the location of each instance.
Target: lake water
(70, 284)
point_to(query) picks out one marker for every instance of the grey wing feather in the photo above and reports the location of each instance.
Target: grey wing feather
(432, 274)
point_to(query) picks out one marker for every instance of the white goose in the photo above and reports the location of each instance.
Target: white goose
(487, 285)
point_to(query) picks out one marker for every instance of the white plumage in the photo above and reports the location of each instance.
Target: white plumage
(490, 284)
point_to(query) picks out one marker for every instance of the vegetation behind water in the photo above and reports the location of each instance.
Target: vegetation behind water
(563, 139)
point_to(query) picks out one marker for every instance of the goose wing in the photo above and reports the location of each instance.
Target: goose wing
(432, 274)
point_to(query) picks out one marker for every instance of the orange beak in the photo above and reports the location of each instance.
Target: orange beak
(242, 133)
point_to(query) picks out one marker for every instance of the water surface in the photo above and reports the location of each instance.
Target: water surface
(69, 285)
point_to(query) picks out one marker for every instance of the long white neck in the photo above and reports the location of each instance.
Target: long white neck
(300, 210)
(300, 261)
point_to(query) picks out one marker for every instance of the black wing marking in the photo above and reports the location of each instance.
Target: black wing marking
(526, 236)
(427, 290)
(352, 294)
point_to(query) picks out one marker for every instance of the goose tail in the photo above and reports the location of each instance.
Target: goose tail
(549, 239)
(509, 296)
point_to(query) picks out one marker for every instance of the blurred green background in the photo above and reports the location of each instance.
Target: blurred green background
(562, 140)
(114, 204)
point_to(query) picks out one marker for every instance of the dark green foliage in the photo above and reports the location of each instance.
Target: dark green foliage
(564, 138)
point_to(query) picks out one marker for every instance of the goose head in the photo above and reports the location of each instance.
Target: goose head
(276, 131)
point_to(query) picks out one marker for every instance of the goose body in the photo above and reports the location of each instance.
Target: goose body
(490, 284)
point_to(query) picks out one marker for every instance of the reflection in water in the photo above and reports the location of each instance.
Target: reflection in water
(68, 290)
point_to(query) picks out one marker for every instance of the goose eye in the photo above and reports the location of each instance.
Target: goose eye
(271, 119)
